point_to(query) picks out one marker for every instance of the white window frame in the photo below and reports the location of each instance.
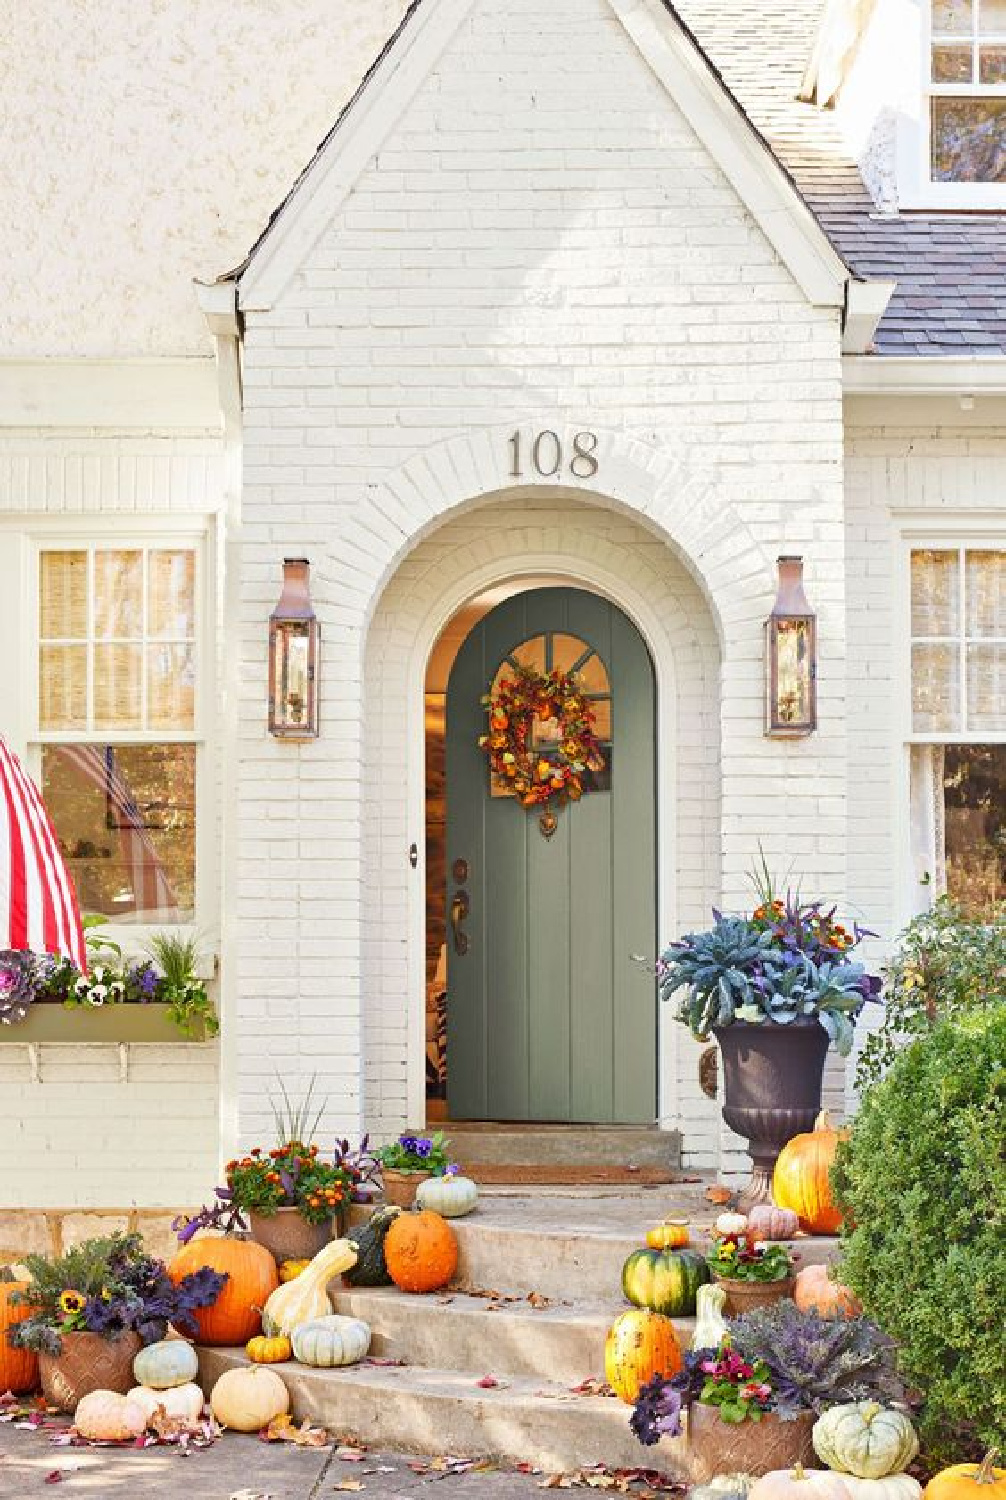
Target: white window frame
(916, 187)
(160, 532)
(963, 534)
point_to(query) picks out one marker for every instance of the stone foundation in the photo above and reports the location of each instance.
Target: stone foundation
(50, 1231)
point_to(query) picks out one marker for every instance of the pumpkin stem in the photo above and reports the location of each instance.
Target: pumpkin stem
(799, 1472)
(823, 1121)
(983, 1473)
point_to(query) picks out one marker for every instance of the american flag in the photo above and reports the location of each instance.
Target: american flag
(38, 903)
(153, 896)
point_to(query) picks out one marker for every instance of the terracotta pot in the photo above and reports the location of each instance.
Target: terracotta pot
(400, 1187)
(772, 1078)
(88, 1362)
(742, 1296)
(718, 1447)
(288, 1236)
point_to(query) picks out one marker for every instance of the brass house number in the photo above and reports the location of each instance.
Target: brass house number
(548, 458)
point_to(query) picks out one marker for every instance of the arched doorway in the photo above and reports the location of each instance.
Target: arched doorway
(548, 1017)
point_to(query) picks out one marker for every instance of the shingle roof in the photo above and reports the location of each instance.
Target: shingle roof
(950, 268)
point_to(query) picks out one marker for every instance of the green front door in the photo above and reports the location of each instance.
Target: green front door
(548, 1017)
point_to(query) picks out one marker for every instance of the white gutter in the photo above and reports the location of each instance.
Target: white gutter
(919, 375)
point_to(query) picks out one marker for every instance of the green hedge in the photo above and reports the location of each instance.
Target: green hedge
(923, 1180)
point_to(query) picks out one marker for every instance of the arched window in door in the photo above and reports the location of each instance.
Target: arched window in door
(556, 651)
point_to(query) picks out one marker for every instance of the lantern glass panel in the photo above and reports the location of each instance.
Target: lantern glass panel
(793, 644)
(293, 701)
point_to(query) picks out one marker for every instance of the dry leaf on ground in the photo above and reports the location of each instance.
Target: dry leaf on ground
(349, 1484)
(284, 1430)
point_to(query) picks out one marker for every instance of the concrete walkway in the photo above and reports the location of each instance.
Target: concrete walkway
(237, 1468)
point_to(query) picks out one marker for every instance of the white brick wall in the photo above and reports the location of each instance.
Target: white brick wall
(541, 242)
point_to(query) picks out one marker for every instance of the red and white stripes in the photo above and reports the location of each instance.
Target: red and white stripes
(38, 903)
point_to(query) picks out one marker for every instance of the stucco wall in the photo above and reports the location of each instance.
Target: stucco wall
(490, 270)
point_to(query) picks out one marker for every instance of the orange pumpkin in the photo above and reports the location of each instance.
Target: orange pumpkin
(640, 1344)
(801, 1178)
(968, 1482)
(816, 1292)
(18, 1367)
(421, 1252)
(251, 1272)
(672, 1234)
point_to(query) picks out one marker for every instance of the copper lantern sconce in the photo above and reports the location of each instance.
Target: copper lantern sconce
(294, 646)
(791, 657)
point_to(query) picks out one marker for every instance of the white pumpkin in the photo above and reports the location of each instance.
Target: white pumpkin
(247, 1399)
(106, 1416)
(728, 1226)
(450, 1197)
(171, 1362)
(865, 1439)
(328, 1342)
(306, 1296)
(183, 1402)
(891, 1487)
(799, 1484)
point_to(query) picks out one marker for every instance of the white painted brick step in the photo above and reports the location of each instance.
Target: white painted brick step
(445, 1411)
(560, 1342)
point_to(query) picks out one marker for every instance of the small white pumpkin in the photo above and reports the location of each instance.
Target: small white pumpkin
(171, 1362)
(799, 1483)
(865, 1439)
(184, 1402)
(723, 1487)
(450, 1197)
(248, 1398)
(729, 1225)
(329, 1342)
(108, 1417)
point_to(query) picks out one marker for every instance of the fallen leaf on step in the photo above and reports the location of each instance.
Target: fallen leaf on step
(349, 1454)
(387, 1364)
(349, 1484)
(594, 1385)
(283, 1430)
(251, 1495)
(490, 1383)
(53, 1477)
(537, 1301)
(718, 1193)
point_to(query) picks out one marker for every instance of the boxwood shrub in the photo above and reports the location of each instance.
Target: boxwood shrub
(923, 1181)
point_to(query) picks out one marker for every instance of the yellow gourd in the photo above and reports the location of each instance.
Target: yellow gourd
(306, 1297)
(290, 1269)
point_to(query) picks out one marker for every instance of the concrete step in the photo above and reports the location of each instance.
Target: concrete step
(559, 1342)
(567, 1148)
(432, 1410)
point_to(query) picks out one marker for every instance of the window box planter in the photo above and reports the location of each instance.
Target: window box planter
(107, 1025)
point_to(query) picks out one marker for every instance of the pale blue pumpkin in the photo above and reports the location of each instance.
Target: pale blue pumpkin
(329, 1342)
(450, 1197)
(171, 1362)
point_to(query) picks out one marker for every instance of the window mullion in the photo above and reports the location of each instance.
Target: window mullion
(962, 648)
(144, 566)
(89, 644)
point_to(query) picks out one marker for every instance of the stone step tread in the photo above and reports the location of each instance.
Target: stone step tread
(432, 1409)
(382, 1300)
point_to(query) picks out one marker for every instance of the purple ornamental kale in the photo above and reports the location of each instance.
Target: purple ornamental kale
(656, 1412)
(18, 985)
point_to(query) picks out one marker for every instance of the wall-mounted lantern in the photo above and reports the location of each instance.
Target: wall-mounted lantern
(294, 647)
(791, 657)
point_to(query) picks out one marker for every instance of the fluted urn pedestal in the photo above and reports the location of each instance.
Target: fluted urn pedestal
(772, 1079)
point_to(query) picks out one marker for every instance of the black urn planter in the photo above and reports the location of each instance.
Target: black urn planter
(772, 1078)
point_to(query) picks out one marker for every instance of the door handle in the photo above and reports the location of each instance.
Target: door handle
(460, 908)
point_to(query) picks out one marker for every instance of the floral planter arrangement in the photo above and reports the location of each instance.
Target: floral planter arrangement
(751, 1274)
(287, 1235)
(91, 1310)
(775, 988)
(717, 1446)
(410, 1161)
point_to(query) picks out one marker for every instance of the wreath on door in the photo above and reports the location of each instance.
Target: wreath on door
(540, 740)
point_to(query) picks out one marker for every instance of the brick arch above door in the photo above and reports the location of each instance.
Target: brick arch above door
(613, 554)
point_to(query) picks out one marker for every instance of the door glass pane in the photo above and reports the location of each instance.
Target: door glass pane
(117, 687)
(952, 64)
(952, 17)
(935, 589)
(567, 651)
(602, 717)
(62, 687)
(171, 687)
(125, 819)
(969, 140)
(118, 595)
(593, 676)
(936, 696)
(975, 826)
(171, 595)
(992, 65)
(531, 654)
(992, 18)
(987, 688)
(985, 588)
(63, 596)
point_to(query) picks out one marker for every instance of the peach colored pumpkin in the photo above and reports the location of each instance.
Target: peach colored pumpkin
(105, 1416)
(815, 1291)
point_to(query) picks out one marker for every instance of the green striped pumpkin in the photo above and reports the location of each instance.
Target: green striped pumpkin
(665, 1280)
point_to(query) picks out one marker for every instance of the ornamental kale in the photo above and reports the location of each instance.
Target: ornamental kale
(109, 1286)
(19, 981)
(814, 1362)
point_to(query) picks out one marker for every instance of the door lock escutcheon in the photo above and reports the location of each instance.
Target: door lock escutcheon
(460, 907)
